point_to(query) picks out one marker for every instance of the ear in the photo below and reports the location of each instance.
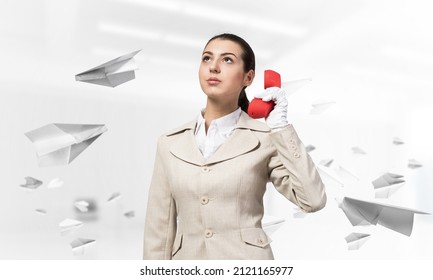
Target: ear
(249, 77)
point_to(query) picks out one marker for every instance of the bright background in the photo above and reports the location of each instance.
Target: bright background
(373, 58)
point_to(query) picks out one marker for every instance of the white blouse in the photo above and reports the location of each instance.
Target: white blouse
(218, 132)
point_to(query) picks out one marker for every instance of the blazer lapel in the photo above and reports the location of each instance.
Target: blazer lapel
(242, 141)
(185, 147)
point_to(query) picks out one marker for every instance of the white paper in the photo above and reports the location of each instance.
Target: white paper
(112, 73)
(271, 224)
(321, 106)
(114, 196)
(360, 212)
(31, 183)
(80, 244)
(55, 183)
(82, 205)
(412, 163)
(310, 148)
(41, 211)
(59, 144)
(387, 179)
(130, 214)
(397, 141)
(355, 240)
(69, 225)
(358, 150)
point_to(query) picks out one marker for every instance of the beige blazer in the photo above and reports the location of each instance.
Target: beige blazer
(212, 209)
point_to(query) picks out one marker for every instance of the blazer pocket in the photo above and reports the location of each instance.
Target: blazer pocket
(177, 244)
(255, 236)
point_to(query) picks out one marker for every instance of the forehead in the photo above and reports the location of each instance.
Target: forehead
(219, 46)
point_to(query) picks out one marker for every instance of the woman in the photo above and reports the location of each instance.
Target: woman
(206, 194)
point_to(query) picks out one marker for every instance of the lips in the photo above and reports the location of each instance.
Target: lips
(213, 81)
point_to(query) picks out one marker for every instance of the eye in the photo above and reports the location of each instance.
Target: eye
(205, 58)
(228, 59)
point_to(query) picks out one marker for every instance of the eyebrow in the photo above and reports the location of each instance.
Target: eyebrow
(223, 54)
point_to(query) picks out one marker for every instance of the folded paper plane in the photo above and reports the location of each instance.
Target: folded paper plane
(321, 106)
(397, 141)
(360, 212)
(79, 245)
(387, 184)
(55, 183)
(31, 183)
(299, 214)
(59, 143)
(130, 214)
(69, 225)
(112, 73)
(41, 211)
(387, 179)
(290, 87)
(326, 162)
(114, 196)
(355, 240)
(358, 150)
(310, 148)
(82, 205)
(271, 224)
(412, 163)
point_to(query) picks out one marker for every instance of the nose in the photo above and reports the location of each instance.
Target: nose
(214, 67)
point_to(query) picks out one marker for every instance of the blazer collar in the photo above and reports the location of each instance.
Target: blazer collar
(240, 142)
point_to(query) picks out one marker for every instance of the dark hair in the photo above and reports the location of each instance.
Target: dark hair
(248, 58)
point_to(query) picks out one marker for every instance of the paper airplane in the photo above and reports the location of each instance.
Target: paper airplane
(310, 148)
(59, 144)
(114, 196)
(80, 244)
(387, 179)
(326, 162)
(299, 214)
(290, 87)
(387, 191)
(327, 172)
(320, 106)
(343, 172)
(69, 225)
(41, 211)
(82, 205)
(55, 183)
(31, 183)
(358, 150)
(130, 214)
(112, 73)
(271, 224)
(355, 240)
(413, 164)
(397, 141)
(360, 212)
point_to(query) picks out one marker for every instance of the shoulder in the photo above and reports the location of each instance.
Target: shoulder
(246, 122)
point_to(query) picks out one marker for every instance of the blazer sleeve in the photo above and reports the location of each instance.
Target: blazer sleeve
(293, 172)
(160, 226)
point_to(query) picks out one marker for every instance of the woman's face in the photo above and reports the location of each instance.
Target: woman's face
(221, 70)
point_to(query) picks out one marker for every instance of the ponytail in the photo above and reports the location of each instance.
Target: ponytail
(243, 101)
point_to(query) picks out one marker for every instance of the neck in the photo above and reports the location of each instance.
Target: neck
(215, 110)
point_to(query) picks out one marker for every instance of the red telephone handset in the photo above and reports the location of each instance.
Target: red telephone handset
(258, 108)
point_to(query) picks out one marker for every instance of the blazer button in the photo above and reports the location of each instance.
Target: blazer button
(208, 233)
(204, 200)
(296, 155)
(291, 141)
(293, 147)
(260, 241)
(205, 169)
